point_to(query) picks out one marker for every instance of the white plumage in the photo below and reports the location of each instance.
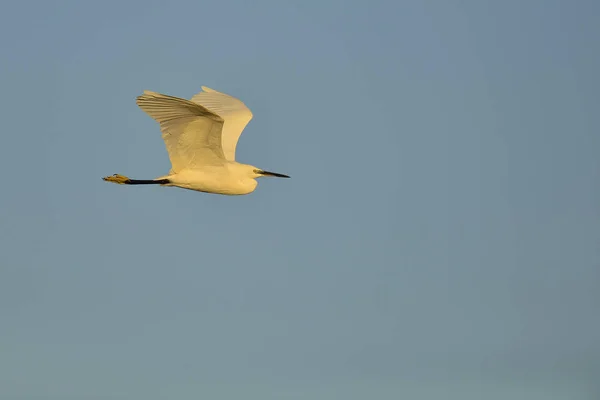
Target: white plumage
(201, 136)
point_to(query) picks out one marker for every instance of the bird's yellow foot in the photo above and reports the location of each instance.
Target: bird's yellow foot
(116, 178)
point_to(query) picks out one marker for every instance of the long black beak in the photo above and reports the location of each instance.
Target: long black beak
(267, 173)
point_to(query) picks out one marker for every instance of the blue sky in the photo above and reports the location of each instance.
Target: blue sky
(438, 239)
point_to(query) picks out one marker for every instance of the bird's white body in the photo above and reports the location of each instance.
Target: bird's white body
(201, 136)
(231, 178)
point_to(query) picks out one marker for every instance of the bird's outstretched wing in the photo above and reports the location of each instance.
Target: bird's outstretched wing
(192, 133)
(234, 113)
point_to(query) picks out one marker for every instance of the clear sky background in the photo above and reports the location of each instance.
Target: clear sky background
(439, 238)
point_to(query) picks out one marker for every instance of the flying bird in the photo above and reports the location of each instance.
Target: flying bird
(200, 135)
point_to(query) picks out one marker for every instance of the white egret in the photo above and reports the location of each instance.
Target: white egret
(200, 135)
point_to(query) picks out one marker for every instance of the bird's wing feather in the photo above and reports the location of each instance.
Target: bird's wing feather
(192, 133)
(234, 113)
